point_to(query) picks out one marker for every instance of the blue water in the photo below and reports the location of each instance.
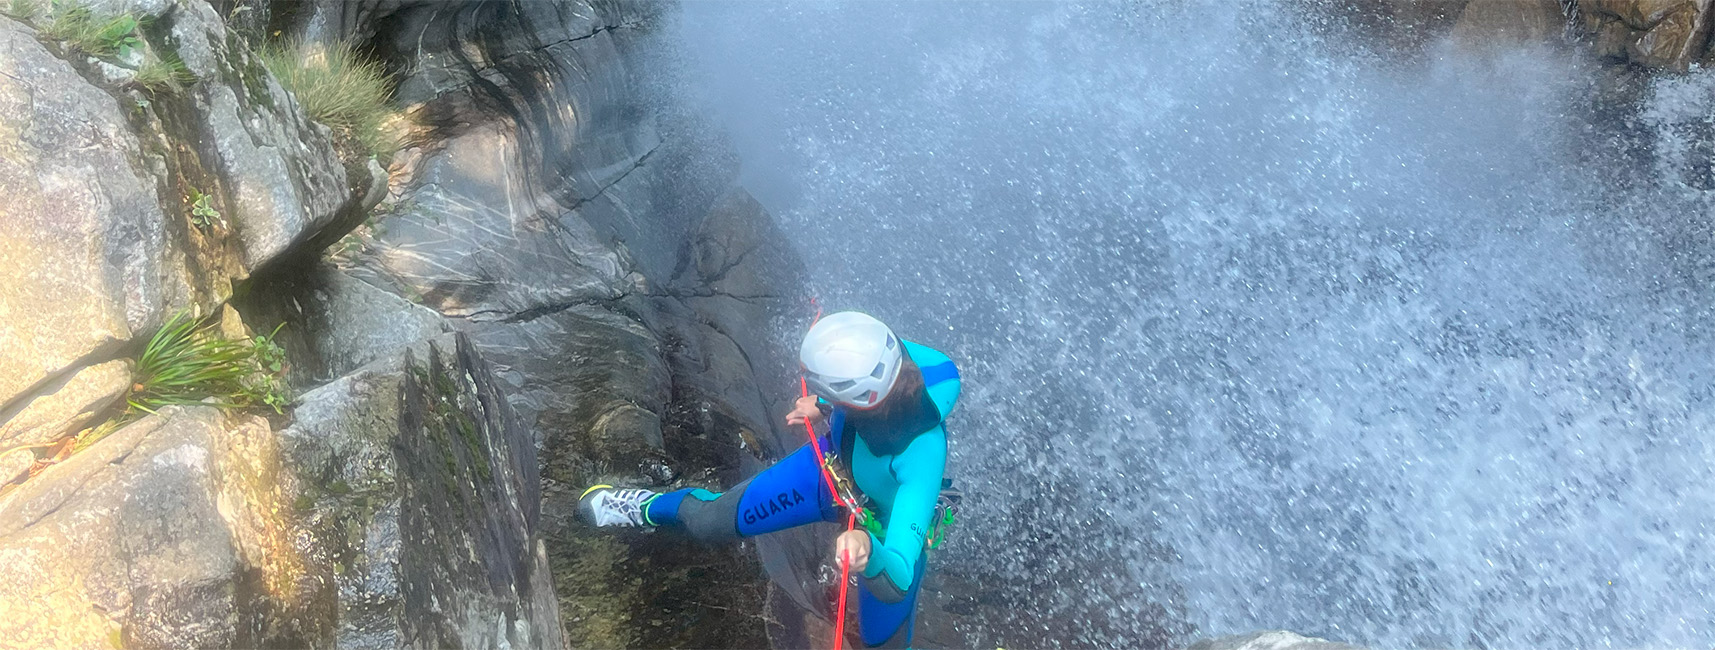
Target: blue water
(1262, 329)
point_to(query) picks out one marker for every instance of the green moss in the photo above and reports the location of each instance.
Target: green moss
(252, 73)
(473, 445)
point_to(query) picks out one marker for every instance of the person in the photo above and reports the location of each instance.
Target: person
(885, 401)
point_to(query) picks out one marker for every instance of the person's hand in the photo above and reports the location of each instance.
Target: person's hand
(804, 410)
(853, 544)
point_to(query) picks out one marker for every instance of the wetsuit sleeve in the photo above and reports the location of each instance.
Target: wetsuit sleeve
(893, 566)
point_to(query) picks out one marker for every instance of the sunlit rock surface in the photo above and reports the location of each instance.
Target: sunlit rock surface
(125, 543)
(62, 409)
(96, 232)
(400, 508)
(88, 263)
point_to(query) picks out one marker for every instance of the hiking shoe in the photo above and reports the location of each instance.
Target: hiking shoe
(606, 505)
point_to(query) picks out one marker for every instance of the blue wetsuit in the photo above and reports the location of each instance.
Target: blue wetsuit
(897, 456)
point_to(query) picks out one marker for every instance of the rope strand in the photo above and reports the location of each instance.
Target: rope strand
(851, 508)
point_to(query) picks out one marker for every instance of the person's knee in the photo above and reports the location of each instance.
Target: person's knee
(711, 521)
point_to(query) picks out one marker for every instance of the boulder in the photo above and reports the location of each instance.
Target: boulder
(1503, 23)
(400, 508)
(417, 484)
(283, 180)
(89, 263)
(1651, 33)
(94, 261)
(124, 545)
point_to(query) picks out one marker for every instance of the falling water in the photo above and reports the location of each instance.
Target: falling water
(1261, 329)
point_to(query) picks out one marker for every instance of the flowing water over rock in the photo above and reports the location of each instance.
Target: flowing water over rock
(1261, 330)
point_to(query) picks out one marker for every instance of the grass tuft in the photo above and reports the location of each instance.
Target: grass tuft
(95, 34)
(185, 364)
(189, 364)
(22, 10)
(164, 74)
(341, 89)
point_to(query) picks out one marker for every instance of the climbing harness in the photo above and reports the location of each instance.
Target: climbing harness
(946, 511)
(941, 524)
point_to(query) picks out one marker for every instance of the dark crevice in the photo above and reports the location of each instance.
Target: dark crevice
(113, 350)
(532, 313)
(639, 163)
(545, 46)
(732, 262)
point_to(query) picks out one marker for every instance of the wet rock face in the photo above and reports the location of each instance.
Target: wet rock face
(1492, 23)
(420, 491)
(1670, 34)
(622, 290)
(1651, 33)
(1277, 640)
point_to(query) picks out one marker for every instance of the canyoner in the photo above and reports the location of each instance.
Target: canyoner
(879, 469)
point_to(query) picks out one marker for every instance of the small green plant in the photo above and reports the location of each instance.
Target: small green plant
(164, 74)
(24, 10)
(98, 35)
(203, 214)
(187, 364)
(268, 387)
(341, 89)
(266, 348)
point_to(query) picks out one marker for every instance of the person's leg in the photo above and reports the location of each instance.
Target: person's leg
(790, 493)
(888, 625)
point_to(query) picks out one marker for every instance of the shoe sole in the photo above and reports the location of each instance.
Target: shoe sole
(592, 489)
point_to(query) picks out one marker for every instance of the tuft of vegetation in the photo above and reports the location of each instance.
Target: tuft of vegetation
(166, 73)
(203, 214)
(22, 10)
(95, 34)
(187, 364)
(341, 89)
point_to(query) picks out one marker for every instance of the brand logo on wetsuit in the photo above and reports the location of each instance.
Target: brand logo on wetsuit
(764, 510)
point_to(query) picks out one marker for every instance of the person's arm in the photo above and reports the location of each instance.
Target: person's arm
(892, 566)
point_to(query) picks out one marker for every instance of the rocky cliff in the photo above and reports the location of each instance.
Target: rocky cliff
(552, 283)
(1650, 34)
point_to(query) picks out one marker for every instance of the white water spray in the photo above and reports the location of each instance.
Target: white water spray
(1259, 331)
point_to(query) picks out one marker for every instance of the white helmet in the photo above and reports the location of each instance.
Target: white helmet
(850, 358)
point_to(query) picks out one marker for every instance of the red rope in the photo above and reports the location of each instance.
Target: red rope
(851, 508)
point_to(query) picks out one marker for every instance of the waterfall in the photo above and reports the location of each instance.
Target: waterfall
(1259, 328)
